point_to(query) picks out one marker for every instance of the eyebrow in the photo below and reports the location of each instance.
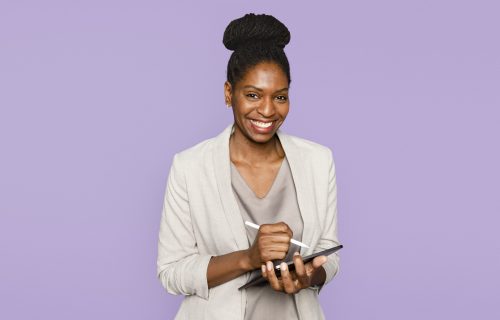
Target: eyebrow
(259, 89)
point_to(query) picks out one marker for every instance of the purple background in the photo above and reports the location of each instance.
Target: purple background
(97, 96)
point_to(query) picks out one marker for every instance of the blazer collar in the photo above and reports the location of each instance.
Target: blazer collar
(222, 166)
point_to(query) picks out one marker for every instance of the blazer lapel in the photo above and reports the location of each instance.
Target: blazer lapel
(222, 166)
(303, 190)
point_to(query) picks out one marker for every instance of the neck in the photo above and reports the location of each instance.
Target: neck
(244, 150)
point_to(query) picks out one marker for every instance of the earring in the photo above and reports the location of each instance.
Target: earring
(228, 105)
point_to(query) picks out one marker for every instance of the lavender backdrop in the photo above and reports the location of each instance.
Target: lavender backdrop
(97, 96)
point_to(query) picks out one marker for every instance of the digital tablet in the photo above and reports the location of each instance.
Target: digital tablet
(291, 266)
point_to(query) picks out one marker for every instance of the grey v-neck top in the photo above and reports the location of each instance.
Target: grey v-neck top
(279, 204)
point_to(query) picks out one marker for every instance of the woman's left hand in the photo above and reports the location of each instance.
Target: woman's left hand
(293, 281)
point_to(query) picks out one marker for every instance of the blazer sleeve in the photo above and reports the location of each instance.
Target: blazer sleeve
(329, 236)
(181, 269)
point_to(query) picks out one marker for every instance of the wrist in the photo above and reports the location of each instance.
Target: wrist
(246, 261)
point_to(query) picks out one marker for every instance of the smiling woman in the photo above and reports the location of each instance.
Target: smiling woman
(254, 172)
(260, 101)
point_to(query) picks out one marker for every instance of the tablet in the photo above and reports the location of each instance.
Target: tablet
(291, 266)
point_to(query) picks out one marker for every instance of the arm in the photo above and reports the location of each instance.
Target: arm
(271, 243)
(329, 237)
(226, 267)
(181, 269)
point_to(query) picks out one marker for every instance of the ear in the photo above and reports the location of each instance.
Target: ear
(228, 91)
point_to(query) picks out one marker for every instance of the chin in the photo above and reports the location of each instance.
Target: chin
(259, 138)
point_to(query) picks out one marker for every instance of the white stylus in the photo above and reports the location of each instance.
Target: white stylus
(255, 226)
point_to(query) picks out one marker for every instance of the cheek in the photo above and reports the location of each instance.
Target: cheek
(284, 110)
(244, 108)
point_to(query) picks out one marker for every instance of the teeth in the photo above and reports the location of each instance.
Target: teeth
(262, 124)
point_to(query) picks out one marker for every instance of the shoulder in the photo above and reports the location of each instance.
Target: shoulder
(196, 151)
(195, 154)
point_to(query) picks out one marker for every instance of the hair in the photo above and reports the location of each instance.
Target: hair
(254, 39)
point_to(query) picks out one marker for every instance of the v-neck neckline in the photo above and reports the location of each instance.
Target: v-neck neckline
(247, 186)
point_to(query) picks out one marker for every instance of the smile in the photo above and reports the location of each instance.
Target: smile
(262, 124)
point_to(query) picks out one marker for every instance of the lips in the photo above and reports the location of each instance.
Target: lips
(262, 126)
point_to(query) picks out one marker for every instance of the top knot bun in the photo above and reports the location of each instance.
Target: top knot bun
(252, 29)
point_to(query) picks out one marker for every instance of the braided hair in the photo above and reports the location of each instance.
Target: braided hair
(254, 39)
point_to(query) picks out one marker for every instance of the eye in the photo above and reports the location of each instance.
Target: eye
(282, 98)
(252, 95)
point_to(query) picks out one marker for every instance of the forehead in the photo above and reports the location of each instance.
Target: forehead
(265, 75)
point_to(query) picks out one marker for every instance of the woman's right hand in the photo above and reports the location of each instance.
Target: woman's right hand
(271, 243)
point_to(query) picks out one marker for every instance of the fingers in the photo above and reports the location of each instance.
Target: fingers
(289, 285)
(268, 248)
(273, 243)
(319, 261)
(272, 253)
(271, 277)
(314, 265)
(263, 269)
(275, 240)
(279, 227)
(281, 237)
(300, 271)
(292, 282)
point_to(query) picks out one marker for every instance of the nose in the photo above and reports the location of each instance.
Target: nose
(267, 109)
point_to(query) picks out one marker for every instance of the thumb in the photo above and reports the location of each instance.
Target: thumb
(319, 261)
(312, 266)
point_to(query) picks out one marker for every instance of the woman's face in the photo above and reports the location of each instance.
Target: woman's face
(259, 101)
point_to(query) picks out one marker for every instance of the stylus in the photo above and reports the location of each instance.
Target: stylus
(256, 226)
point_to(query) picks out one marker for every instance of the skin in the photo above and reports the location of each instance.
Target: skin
(262, 95)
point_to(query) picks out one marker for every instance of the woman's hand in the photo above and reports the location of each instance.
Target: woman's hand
(271, 243)
(304, 276)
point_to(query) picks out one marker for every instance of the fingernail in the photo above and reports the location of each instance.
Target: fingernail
(283, 266)
(296, 253)
(269, 265)
(263, 268)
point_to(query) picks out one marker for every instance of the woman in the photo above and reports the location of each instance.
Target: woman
(255, 172)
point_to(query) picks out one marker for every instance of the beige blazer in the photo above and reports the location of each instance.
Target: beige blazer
(201, 218)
